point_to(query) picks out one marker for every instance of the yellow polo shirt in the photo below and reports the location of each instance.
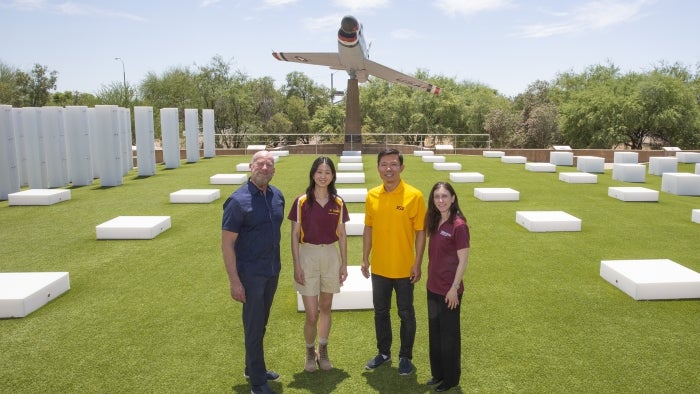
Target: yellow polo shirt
(394, 217)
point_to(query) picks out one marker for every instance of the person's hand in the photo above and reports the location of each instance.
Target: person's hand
(299, 276)
(343, 274)
(415, 274)
(451, 299)
(238, 292)
(364, 268)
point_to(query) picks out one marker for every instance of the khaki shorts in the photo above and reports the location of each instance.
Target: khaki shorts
(321, 266)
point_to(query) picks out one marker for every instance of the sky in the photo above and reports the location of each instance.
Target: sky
(504, 44)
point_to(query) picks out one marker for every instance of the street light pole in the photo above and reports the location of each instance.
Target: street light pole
(126, 92)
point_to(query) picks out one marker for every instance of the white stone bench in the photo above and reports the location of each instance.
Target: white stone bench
(254, 148)
(681, 183)
(514, 159)
(353, 195)
(629, 172)
(493, 153)
(697, 168)
(352, 153)
(243, 167)
(688, 157)
(660, 164)
(561, 147)
(447, 166)
(133, 227)
(228, 179)
(633, 194)
(350, 166)
(446, 147)
(671, 148)
(540, 167)
(350, 177)
(38, 197)
(356, 224)
(695, 216)
(351, 159)
(496, 194)
(355, 292)
(465, 177)
(561, 158)
(433, 159)
(626, 157)
(578, 177)
(591, 164)
(423, 153)
(652, 279)
(197, 196)
(547, 221)
(279, 153)
(21, 293)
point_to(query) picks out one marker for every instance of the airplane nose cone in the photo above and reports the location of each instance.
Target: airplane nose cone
(349, 24)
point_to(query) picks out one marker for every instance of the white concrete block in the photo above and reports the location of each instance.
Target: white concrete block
(351, 166)
(352, 153)
(133, 227)
(561, 158)
(38, 197)
(243, 167)
(591, 164)
(561, 147)
(356, 224)
(464, 177)
(355, 293)
(446, 147)
(228, 179)
(423, 153)
(493, 153)
(578, 177)
(21, 293)
(651, 279)
(547, 221)
(200, 196)
(514, 159)
(697, 168)
(351, 159)
(251, 149)
(671, 148)
(540, 167)
(626, 157)
(350, 177)
(629, 172)
(660, 164)
(681, 183)
(447, 166)
(496, 194)
(695, 216)
(433, 159)
(353, 194)
(279, 153)
(634, 194)
(688, 157)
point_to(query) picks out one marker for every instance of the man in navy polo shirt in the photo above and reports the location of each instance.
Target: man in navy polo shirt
(250, 244)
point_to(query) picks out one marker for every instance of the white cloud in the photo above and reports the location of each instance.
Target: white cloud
(207, 3)
(354, 5)
(277, 3)
(470, 7)
(329, 22)
(405, 34)
(27, 5)
(70, 8)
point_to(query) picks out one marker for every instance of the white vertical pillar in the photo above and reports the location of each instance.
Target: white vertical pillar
(9, 171)
(208, 133)
(192, 134)
(126, 147)
(55, 145)
(76, 124)
(19, 146)
(107, 145)
(34, 154)
(145, 152)
(169, 128)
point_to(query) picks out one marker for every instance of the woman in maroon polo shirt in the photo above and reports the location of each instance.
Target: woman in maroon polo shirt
(448, 254)
(319, 251)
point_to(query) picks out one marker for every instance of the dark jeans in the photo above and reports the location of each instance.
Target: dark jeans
(259, 293)
(382, 288)
(444, 339)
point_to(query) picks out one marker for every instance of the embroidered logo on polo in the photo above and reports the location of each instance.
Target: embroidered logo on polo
(445, 234)
(399, 208)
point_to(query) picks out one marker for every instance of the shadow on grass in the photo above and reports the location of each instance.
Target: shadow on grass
(319, 382)
(386, 379)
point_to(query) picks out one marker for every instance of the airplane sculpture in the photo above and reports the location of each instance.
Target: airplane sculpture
(353, 57)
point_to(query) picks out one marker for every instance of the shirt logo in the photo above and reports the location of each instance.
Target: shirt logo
(445, 234)
(399, 208)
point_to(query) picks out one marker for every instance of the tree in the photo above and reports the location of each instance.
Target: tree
(34, 88)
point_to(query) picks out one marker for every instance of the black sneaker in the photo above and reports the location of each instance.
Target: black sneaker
(378, 360)
(271, 375)
(405, 366)
(264, 389)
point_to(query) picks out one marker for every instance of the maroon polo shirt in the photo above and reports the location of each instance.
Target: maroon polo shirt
(442, 255)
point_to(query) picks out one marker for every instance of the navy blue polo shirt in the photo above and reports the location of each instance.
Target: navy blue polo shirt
(257, 219)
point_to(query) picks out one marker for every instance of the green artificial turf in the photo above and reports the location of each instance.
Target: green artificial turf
(156, 315)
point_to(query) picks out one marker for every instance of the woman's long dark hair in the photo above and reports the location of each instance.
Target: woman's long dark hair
(432, 215)
(332, 192)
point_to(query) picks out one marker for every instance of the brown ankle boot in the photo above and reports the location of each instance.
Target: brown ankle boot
(323, 359)
(311, 364)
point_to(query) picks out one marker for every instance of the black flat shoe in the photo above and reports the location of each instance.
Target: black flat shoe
(433, 381)
(442, 387)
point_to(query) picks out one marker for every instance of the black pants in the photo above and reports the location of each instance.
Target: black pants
(382, 289)
(259, 293)
(444, 340)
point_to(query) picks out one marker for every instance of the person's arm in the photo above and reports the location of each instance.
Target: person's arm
(298, 271)
(366, 249)
(418, 262)
(343, 244)
(451, 298)
(228, 239)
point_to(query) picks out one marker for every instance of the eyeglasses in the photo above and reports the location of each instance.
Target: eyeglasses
(393, 166)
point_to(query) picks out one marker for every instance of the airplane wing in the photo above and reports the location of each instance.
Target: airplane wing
(329, 59)
(391, 75)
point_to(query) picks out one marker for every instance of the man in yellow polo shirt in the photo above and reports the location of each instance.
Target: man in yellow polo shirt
(394, 241)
